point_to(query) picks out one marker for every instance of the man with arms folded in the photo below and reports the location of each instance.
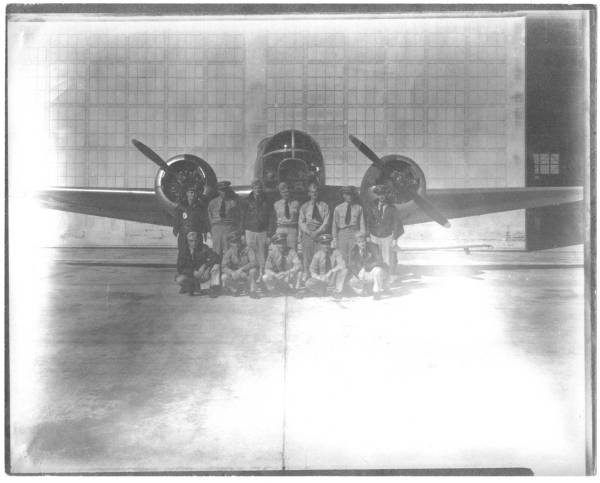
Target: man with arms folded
(197, 264)
(367, 268)
(313, 221)
(327, 269)
(239, 267)
(282, 267)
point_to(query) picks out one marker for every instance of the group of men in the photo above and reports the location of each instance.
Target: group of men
(256, 243)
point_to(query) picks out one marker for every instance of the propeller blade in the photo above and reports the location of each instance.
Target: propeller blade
(363, 148)
(430, 210)
(152, 156)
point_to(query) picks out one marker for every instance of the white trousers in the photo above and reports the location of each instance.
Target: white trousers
(386, 245)
(377, 276)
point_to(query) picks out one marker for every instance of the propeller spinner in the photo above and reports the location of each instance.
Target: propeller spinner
(411, 193)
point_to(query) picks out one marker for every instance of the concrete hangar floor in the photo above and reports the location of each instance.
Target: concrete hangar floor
(473, 361)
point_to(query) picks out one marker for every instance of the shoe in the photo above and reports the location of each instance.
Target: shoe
(182, 290)
(377, 296)
(254, 295)
(298, 295)
(213, 293)
(337, 295)
(191, 292)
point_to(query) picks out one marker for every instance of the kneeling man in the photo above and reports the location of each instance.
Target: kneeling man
(282, 267)
(367, 265)
(327, 269)
(239, 267)
(197, 264)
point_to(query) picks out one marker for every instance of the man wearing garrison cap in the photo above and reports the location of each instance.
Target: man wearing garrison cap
(368, 271)
(313, 221)
(197, 264)
(224, 216)
(327, 269)
(282, 267)
(348, 219)
(239, 267)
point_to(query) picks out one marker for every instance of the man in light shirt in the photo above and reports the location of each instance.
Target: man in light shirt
(285, 216)
(348, 219)
(327, 268)
(313, 221)
(282, 267)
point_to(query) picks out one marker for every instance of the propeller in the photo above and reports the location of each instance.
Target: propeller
(421, 202)
(155, 158)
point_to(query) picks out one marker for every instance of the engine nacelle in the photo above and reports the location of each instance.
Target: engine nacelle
(401, 175)
(166, 185)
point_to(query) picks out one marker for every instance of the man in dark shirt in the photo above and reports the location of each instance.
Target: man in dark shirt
(384, 224)
(367, 268)
(256, 214)
(190, 215)
(197, 264)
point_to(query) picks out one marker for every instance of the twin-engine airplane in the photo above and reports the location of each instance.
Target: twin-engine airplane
(295, 157)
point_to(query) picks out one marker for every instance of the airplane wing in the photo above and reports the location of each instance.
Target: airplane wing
(124, 204)
(142, 205)
(459, 203)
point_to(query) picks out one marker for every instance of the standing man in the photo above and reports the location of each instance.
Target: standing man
(239, 267)
(224, 216)
(313, 221)
(384, 225)
(190, 216)
(368, 270)
(348, 219)
(256, 215)
(327, 268)
(285, 216)
(197, 264)
(282, 267)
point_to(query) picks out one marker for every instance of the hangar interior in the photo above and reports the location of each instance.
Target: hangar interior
(475, 101)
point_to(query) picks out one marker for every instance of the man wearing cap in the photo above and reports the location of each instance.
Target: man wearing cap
(256, 215)
(282, 267)
(190, 215)
(197, 264)
(348, 219)
(313, 221)
(285, 216)
(327, 268)
(224, 216)
(368, 270)
(384, 224)
(239, 267)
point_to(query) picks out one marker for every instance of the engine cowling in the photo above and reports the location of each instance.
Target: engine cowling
(166, 185)
(401, 175)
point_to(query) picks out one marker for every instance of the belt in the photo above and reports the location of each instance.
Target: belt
(349, 226)
(222, 222)
(287, 225)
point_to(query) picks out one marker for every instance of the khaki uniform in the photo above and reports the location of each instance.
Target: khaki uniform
(310, 228)
(234, 260)
(222, 226)
(285, 224)
(278, 262)
(321, 264)
(344, 234)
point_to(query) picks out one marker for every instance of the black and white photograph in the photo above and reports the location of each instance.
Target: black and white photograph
(300, 239)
